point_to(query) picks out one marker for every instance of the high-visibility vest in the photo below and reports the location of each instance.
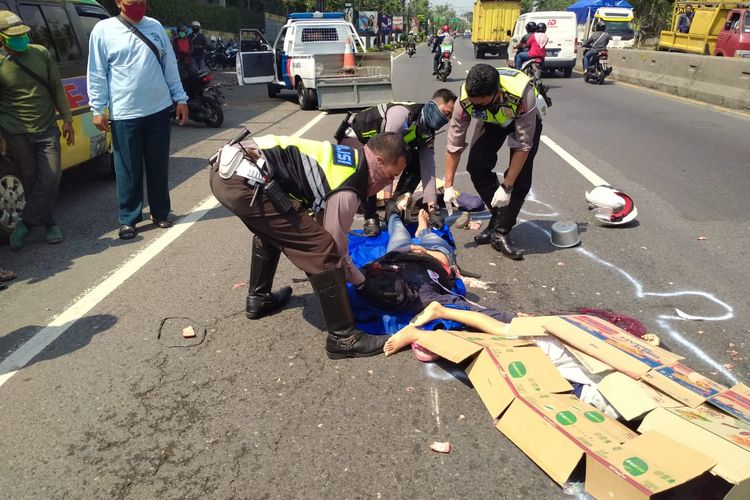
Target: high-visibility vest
(310, 171)
(512, 84)
(371, 121)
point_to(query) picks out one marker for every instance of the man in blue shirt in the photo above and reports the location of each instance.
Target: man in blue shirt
(138, 88)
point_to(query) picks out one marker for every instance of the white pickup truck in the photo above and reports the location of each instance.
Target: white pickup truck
(321, 58)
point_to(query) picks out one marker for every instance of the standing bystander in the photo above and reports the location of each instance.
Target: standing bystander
(30, 90)
(132, 71)
(198, 44)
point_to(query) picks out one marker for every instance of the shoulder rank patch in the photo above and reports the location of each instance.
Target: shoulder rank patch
(343, 155)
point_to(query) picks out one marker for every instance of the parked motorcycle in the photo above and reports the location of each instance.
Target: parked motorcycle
(205, 99)
(222, 56)
(596, 73)
(445, 67)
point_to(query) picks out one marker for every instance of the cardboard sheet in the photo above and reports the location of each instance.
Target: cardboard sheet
(631, 398)
(735, 401)
(684, 384)
(642, 467)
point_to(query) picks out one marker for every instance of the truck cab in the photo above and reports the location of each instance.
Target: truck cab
(734, 38)
(321, 58)
(618, 22)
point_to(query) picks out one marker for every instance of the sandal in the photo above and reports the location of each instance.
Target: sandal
(6, 275)
(126, 232)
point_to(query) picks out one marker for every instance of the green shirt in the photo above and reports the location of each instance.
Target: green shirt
(25, 105)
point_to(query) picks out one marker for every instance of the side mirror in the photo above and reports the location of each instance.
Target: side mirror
(508, 33)
(728, 25)
(264, 47)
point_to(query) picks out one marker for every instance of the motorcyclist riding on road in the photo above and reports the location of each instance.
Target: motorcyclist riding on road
(528, 47)
(597, 42)
(444, 38)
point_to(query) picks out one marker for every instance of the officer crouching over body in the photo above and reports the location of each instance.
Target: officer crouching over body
(300, 197)
(506, 105)
(417, 124)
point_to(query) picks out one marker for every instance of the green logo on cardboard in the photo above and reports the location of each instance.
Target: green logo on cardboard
(594, 416)
(635, 466)
(516, 369)
(566, 418)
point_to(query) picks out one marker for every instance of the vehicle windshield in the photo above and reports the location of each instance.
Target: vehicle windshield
(619, 28)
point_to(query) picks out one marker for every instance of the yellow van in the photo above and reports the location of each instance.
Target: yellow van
(63, 27)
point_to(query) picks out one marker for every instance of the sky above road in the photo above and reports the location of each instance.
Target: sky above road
(461, 6)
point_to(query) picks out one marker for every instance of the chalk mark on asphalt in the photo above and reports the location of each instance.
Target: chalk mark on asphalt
(61, 323)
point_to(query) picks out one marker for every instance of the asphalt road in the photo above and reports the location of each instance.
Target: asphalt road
(119, 406)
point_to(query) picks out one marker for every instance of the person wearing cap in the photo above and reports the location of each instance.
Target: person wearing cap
(198, 44)
(504, 103)
(31, 93)
(131, 88)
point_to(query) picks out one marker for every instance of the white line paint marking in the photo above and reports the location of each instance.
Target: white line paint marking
(36, 344)
(459, 62)
(467, 70)
(573, 162)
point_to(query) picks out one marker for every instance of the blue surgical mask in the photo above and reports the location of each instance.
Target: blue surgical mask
(432, 117)
(17, 43)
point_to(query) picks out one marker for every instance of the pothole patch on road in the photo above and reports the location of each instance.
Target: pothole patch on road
(170, 332)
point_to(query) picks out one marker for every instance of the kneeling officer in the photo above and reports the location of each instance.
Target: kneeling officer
(300, 197)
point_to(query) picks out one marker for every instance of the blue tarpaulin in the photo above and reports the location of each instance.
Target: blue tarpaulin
(585, 9)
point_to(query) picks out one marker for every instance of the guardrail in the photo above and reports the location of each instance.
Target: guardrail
(716, 80)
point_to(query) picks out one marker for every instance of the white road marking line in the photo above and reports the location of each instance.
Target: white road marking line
(582, 169)
(459, 62)
(467, 70)
(36, 344)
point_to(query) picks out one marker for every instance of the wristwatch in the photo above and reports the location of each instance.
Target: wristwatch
(506, 188)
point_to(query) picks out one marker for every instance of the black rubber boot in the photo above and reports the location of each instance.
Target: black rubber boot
(485, 236)
(343, 341)
(260, 300)
(502, 244)
(371, 227)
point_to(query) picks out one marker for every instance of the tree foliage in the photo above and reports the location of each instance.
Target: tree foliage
(652, 16)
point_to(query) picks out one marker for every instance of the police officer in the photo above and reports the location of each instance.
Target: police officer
(273, 184)
(506, 105)
(417, 124)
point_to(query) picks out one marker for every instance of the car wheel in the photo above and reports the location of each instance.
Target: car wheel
(567, 72)
(12, 196)
(273, 90)
(305, 96)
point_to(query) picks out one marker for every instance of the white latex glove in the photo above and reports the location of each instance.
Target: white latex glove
(500, 198)
(450, 197)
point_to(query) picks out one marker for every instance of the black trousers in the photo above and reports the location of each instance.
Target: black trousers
(486, 142)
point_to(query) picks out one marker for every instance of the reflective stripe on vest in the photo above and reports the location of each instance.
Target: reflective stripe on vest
(512, 83)
(371, 121)
(327, 166)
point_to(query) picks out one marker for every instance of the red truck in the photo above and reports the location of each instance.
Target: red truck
(734, 38)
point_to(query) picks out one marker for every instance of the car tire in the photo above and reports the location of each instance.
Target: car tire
(12, 196)
(567, 72)
(273, 90)
(305, 96)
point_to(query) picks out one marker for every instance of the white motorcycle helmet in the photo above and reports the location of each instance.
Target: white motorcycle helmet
(610, 206)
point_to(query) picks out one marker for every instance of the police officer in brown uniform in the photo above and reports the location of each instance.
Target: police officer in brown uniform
(299, 197)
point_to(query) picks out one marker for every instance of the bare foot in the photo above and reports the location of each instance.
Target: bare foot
(433, 311)
(423, 218)
(404, 337)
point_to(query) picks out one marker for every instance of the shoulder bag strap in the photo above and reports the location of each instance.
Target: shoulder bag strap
(143, 38)
(44, 83)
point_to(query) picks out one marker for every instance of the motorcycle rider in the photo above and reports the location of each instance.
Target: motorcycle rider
(444, 38)
(300, 197)
(504, 102)
(597, 42)
(182, 52)
(417, 124)
(528, 47)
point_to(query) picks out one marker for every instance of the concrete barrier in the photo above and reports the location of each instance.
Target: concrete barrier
(716, 80)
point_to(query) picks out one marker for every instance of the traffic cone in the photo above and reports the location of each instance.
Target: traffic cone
(349, 62)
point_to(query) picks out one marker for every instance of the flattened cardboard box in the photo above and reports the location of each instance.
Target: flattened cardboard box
(609, 344)
(684, 384)
(723, 438)
(632, 398)
(555, 430)
(642, 467)
(735, 401)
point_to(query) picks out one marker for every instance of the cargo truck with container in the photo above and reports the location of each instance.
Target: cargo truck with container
(492, 27)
